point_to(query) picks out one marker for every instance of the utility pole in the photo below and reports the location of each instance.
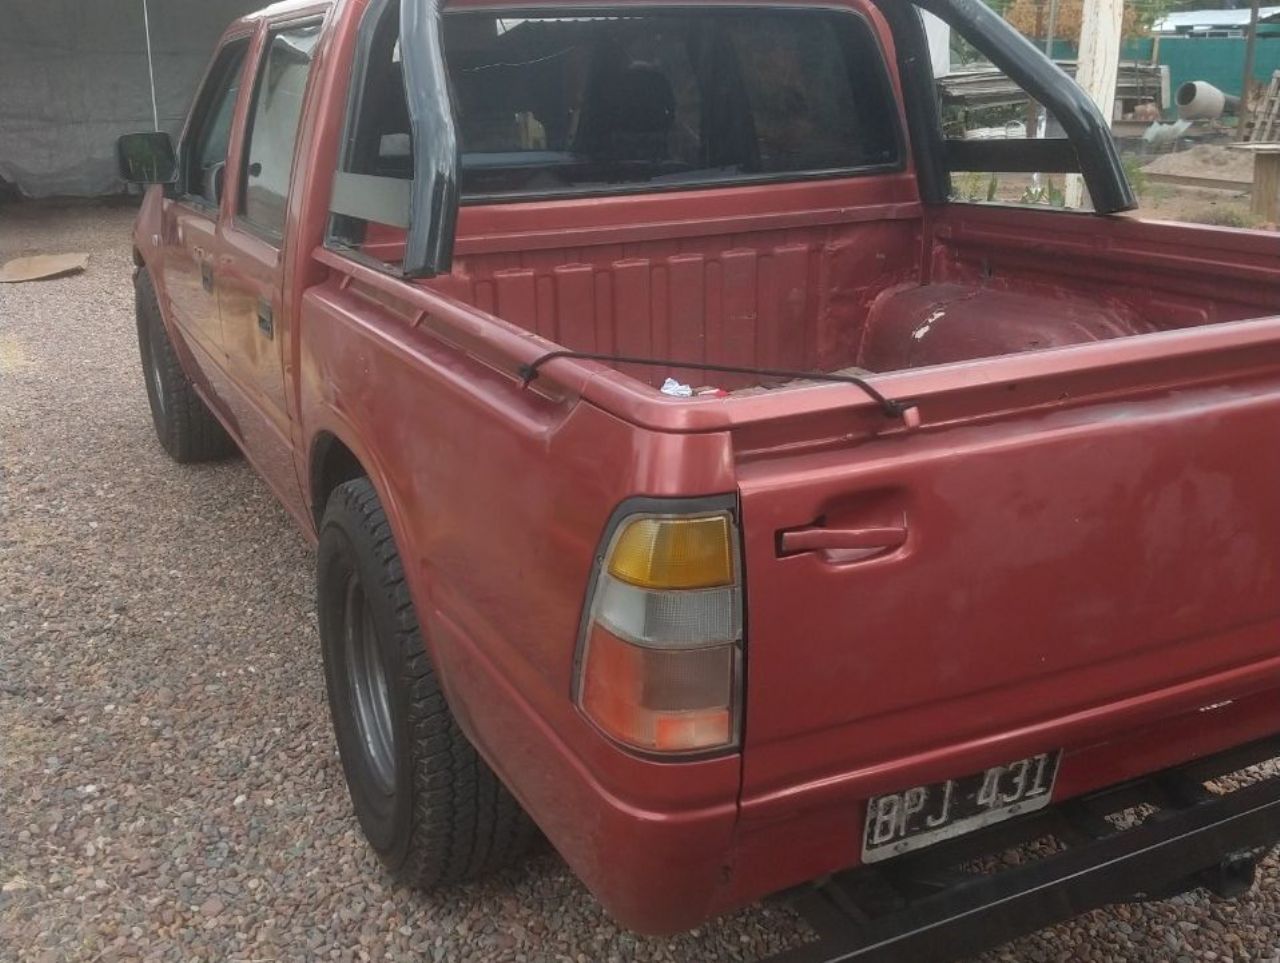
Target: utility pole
(1051, 29)
(1246, 86)
(1033, 109)
(1101, 24)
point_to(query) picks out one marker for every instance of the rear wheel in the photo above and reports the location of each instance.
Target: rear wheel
(185, 426)
(433, 811)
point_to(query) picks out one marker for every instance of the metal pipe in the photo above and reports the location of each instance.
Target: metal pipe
(1051, 29)
(151, 67)
(433, 204)
(1250, 51)
(1027, 66)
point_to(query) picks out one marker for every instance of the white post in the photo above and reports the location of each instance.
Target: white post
(1101, 23)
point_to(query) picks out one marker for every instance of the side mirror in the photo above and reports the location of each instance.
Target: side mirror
(147, 158)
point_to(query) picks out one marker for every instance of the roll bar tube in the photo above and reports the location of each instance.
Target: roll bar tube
(433, 204)
(1027, 66)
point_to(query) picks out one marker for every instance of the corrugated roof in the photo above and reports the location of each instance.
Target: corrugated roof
(1210, 19)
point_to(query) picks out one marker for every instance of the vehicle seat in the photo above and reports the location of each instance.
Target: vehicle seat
(633, 113)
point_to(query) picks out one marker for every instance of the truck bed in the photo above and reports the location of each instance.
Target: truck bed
(881, 289)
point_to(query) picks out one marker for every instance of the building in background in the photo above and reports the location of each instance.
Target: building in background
(1217, 23)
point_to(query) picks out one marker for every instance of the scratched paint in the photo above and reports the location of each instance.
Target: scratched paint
(921, 331)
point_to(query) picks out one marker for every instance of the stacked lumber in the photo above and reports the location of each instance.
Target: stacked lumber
(981, 86)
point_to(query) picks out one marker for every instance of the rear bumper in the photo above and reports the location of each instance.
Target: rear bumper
(666, 846)
(922, 907)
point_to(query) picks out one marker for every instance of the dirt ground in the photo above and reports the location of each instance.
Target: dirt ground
(1195, 205)
(1227, 206)
(169, 787)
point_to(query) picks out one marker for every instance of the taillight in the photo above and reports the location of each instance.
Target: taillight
(660, 668)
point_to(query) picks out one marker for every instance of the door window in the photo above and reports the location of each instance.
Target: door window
(205, 152)
(273, 130)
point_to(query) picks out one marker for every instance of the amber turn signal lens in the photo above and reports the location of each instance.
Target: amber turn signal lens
(674, 553)
(664, 700)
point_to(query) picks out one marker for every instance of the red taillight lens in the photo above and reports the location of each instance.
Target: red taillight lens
(664, 700)
(660, 666)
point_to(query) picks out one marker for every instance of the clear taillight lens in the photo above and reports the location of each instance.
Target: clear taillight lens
(661, 661)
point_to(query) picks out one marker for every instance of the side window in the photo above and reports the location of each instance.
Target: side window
(204, 155)
(371, 193)
(273, 126)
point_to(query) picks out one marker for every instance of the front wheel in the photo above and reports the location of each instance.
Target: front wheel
(185, 426)
(432, 809)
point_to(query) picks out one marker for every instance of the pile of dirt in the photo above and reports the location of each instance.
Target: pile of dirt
(1206, 160)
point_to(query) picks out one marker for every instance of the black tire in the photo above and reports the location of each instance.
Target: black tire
(187, 429)
(431, 808)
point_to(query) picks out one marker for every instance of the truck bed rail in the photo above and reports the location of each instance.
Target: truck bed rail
(1181, 834)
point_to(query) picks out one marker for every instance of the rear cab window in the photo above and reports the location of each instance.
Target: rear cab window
(590, 104)
(561, 105)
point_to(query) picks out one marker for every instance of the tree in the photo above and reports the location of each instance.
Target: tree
(1030, 16)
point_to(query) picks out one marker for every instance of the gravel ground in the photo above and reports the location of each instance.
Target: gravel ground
(169, 787)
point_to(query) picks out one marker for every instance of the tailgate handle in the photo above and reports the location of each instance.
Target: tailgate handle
(838, 539)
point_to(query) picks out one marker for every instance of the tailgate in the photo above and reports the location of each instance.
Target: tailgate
(1052, 564)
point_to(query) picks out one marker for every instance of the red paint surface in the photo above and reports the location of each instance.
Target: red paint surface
(1093, 548)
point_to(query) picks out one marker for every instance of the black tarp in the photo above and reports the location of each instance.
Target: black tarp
(73, 77)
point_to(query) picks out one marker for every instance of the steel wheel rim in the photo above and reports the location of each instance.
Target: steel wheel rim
(157, 384)
(370, 695)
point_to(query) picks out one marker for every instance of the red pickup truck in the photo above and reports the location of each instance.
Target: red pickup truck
(695, 480)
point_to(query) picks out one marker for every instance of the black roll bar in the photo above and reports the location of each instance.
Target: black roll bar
(433, 205)
(1027, 66)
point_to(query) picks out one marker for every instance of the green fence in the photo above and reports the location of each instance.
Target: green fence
(1218, 60)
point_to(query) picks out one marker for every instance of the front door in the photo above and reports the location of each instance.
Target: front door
(256, 329)
(190, 221)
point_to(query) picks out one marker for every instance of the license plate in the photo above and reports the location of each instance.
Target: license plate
(899, 822)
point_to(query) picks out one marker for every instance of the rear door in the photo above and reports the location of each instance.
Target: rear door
(251, 248)
(1009, 575)
(190, 220)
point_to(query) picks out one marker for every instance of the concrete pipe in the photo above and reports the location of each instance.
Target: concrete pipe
(1198, 100)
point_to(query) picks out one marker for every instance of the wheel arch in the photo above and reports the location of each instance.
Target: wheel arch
(335, 456)
(332, 462)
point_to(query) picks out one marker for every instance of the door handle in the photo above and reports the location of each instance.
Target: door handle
(206, 274)
(863, 540)
(266, 319)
